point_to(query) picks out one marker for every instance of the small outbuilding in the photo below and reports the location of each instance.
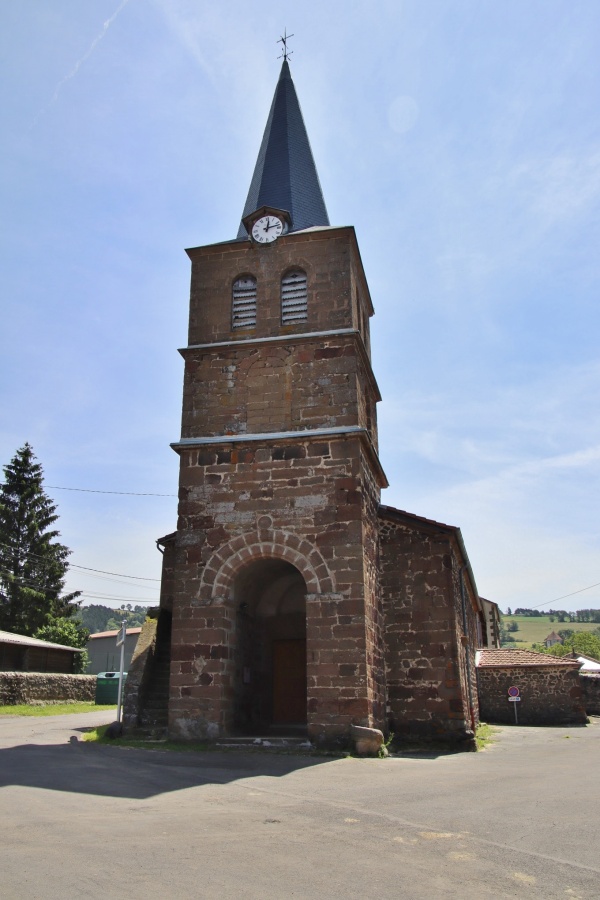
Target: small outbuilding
(548, 688)
(552, 639)
(19, 653)
(104, 654)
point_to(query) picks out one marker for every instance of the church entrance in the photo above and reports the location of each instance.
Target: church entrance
(289, 682)
(270, 656)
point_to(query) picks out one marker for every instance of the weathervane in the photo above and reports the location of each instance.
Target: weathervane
(283, 40)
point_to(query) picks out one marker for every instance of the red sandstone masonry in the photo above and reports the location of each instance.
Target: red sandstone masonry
(339, 642)
(383, 606)
(425, 654)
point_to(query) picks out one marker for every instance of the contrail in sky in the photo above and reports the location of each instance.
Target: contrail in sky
(83, 59)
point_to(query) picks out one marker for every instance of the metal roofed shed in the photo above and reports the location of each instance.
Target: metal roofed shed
(103, 651)
(20, 653)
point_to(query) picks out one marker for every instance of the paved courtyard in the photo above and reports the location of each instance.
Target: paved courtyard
(520, 819)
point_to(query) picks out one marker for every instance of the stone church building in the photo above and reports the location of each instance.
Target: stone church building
(292, 601)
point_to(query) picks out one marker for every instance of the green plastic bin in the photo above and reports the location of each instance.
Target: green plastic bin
(107, 687)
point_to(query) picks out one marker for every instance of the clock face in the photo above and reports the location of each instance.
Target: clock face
(267, 229)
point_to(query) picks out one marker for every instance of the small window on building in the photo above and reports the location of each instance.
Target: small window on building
(294, 304)
(243, 305)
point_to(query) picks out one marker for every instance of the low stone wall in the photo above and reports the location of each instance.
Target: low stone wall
(590, 684)
(550, 695)
(27, 687)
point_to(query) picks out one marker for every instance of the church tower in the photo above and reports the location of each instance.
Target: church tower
(271, 577)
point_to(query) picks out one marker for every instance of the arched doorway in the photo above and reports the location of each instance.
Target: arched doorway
(270, 658)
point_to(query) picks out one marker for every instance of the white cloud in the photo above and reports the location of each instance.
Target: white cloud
(557, 188)
(403, 113)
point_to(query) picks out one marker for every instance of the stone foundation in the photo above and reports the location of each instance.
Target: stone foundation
(28, 687)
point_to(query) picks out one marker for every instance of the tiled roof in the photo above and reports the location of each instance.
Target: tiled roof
(510, 657)
(104, 634)
(390, 512)
(285, 175)
(7, 637)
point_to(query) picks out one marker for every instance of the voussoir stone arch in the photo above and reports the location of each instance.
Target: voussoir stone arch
(225, 563)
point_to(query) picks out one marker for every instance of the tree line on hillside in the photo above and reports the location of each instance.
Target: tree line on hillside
(561, 615)
(102, 618)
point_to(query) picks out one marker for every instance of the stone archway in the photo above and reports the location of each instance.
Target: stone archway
(262, 580)
(223, 566)
(269, 676)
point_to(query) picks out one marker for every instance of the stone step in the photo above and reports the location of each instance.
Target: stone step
(267, 742)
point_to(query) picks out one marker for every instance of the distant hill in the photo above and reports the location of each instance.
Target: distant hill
(103, 618)
(535, 629)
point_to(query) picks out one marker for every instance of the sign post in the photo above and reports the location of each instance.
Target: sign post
(513, 697)
(121, 643)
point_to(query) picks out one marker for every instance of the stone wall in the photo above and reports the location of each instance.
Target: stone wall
(139, 672)
(428, 655)
(590, 685)
(26, 687)
(299, 384)
(550, 695)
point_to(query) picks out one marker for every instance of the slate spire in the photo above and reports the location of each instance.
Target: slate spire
(285, 175)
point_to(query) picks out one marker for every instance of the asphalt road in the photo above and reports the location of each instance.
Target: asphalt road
(520, 819)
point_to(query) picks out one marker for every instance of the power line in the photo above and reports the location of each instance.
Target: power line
(118, 574)
(55, 487)
(564, 596)
(74, 566)
(92, 595)
(143, 601)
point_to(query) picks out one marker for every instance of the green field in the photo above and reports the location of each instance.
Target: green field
(535, 629)
(52, 709)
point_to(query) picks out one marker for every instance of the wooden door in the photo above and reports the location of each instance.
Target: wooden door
(289, 682)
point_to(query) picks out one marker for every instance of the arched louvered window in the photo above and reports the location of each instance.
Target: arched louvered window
(294, 297)
(243, 304)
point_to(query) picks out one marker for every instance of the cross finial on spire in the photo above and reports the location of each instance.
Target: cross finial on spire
(283, 41)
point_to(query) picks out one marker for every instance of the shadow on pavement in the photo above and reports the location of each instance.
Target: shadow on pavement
(136, 774)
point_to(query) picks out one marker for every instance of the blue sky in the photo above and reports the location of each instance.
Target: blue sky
(461, 140)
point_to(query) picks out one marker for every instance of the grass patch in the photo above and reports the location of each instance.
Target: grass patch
(98, 736)
(484, 735)
(535, 629)
(51, 709)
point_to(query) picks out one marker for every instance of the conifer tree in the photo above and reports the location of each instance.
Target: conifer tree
(33, 564)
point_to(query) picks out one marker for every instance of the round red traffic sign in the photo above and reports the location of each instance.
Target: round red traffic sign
(513, 692)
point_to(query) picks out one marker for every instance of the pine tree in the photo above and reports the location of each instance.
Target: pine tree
(33, 564)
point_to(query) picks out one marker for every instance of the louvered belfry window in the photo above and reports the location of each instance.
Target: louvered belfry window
(243, 306)
(294, 297)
